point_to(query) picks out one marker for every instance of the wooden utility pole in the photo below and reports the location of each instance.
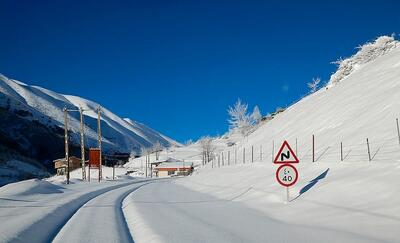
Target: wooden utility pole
(66, 141)
(82, 145)
(99, 141)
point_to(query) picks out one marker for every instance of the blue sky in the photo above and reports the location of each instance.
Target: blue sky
(177, 65)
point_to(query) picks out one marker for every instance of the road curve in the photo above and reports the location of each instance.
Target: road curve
(100, 219)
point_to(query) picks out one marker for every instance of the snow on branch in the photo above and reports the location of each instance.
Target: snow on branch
(241, 120)
(314, 84)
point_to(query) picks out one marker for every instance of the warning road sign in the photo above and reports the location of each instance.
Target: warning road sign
(286, 155)
(287, 175)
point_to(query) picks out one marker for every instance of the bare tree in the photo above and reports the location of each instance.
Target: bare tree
(157, 148)
(207, 149)
(314, 84)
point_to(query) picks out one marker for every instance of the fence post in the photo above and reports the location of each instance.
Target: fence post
(398, 131)
(223, 160)
(272, 154)
(219, 161)
(313, 148)
(229, 157)
(235, 156)
(369, 153)
(341, 151)
(252, 153)
(113, 172)
(244, 156)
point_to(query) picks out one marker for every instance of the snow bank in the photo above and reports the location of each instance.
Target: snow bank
(360, 199)
(29, 187)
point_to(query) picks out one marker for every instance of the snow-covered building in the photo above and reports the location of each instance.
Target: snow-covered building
(172, 167)
(61, 164)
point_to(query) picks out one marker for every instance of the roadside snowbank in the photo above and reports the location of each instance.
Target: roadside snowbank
(358, 198)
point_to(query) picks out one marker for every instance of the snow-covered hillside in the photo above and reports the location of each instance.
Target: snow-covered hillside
(354, 200)
(363, 103)
(123, 135)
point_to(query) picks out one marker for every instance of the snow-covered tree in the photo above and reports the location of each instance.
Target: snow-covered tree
(157, 148)
(207, 149)
(239, 119)
(133, 154)
(314, 84)
(256, 115)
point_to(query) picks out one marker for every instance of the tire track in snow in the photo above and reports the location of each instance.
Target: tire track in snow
(46, 228)
(101, 219)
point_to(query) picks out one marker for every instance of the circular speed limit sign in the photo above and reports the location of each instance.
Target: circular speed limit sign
(287, 175)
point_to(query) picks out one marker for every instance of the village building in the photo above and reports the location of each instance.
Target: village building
(172, 167)
(61, 164)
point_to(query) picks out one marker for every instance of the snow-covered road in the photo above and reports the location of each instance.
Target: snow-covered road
(167, 212)
(38, 211)
(100, 219)
(159, 210)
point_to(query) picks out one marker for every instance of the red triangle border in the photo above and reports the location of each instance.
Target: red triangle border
(285, 143)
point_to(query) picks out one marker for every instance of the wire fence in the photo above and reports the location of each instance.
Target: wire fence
(376, 150)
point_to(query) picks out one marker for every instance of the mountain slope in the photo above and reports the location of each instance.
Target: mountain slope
(32, 129)
(47, 107)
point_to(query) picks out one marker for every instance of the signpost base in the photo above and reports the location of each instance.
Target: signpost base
(287, 194)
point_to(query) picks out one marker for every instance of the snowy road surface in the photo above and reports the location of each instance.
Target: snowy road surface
(99, 220)
(167, 212)
(142, 211)
(38, 211)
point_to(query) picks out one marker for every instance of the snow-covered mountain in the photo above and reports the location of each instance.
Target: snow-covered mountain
(45, 106)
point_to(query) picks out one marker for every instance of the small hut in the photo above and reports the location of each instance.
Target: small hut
(61, 164)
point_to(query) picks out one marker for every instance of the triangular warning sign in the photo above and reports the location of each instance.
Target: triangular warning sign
(286, 155)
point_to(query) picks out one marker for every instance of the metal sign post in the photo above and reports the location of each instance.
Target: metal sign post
(286, 174)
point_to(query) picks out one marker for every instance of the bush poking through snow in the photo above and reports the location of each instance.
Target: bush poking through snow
(367, 52)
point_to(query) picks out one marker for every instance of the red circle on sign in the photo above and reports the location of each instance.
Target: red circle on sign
(295, 171)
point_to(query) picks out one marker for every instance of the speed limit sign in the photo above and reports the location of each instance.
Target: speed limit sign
(287, 175)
